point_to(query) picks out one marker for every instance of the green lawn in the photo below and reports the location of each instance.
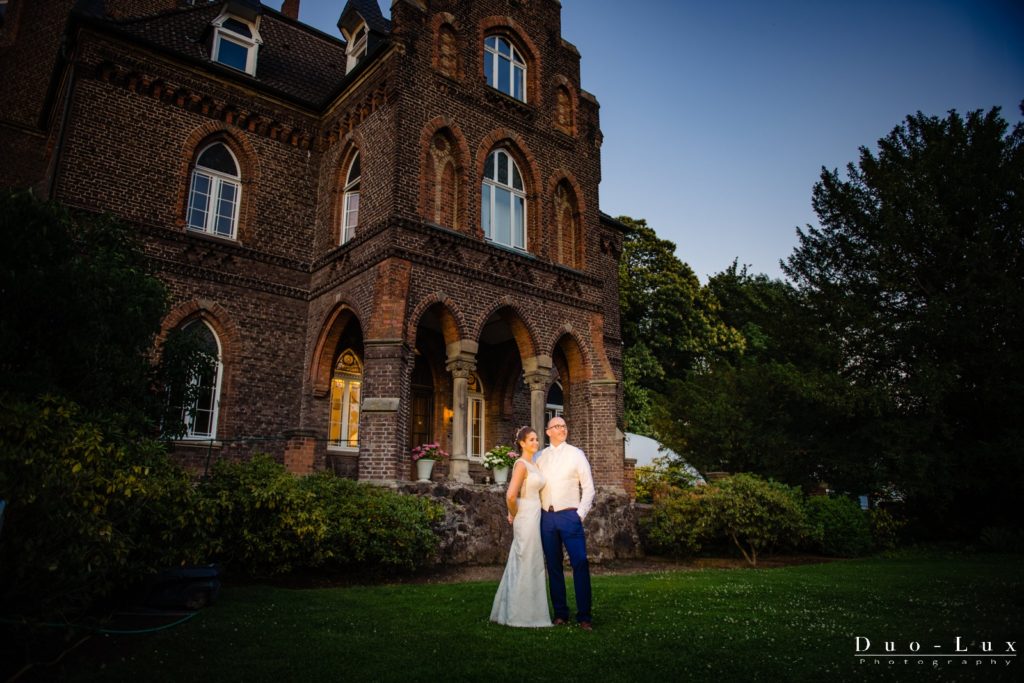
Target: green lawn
(795, 623)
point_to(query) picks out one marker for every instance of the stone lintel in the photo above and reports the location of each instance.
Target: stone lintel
(380, 405)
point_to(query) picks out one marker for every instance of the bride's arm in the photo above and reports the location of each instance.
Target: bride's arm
(512, 494)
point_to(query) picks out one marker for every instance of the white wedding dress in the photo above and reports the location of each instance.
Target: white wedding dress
(522, 598)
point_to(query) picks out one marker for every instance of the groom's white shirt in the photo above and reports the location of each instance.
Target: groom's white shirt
(567, 472)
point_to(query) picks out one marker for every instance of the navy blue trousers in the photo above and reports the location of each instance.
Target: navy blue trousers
(558, 529)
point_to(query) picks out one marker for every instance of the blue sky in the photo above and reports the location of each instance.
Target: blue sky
(718, 116)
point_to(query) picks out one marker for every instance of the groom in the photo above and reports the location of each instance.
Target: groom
(561, 520)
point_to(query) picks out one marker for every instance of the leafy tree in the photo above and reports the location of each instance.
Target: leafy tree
(79, 312)
(917, 275)
(756, 515)
(781, 409)
(669, 322)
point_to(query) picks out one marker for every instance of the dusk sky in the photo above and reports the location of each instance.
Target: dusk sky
(718, 116)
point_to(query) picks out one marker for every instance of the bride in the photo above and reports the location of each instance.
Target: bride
(522, 598)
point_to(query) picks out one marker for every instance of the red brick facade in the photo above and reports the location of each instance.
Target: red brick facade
(433, 311)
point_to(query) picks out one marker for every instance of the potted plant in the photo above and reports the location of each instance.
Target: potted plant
(499, 460)
(425, 455)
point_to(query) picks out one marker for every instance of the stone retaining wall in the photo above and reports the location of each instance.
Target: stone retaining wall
(475, 530)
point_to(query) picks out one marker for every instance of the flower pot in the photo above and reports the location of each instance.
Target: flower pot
(424, 466)
(500, 475)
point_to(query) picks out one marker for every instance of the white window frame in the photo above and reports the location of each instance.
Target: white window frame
(188, 414)
(476, 399)
(351, 202)
(513, 62)
(357, 45)
(490, 189)
(217, 182)
(553, 410)
(250, 43)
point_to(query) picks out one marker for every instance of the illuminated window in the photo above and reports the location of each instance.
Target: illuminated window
(475, 427)
(343, 433)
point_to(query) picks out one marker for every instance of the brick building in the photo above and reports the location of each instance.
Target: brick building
(388, 238)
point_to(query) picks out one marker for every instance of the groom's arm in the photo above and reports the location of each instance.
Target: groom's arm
(586, 486)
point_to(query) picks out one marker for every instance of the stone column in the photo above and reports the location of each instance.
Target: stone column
(537, 376)
(460, 366)
(538, 381)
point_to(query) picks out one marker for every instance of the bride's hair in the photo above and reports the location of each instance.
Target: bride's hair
(523, 433)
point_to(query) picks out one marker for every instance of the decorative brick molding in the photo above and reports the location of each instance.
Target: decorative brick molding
(452, 319)
(327, 341)
(150, 85)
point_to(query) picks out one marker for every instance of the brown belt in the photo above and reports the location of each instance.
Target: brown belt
(551, 508)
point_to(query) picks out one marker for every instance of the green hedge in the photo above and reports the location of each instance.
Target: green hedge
(839, 527)
(269, 522)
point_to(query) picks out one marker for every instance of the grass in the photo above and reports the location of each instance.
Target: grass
(789, 624)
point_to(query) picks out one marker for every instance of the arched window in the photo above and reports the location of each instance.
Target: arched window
(200, 417)
(504, 67)
(475, 413)
(343, 433)
(350, 207)
(503, 201)
(215, 192)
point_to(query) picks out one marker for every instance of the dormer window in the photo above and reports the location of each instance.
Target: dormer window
(235, 43)
(356, 49)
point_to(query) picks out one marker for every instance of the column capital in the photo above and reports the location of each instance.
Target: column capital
(461, 367)
(538, 380)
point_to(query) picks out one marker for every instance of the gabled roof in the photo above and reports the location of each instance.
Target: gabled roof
(368, 11)
(294, 59)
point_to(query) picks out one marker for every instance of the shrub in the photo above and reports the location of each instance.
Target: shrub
(756, 515)
(263, 523)
(1002, 539)
(678, 525)
(367, 525)
(269, 522)
(838, 526)
(86, 512)
(885, 528)
(663, 476)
